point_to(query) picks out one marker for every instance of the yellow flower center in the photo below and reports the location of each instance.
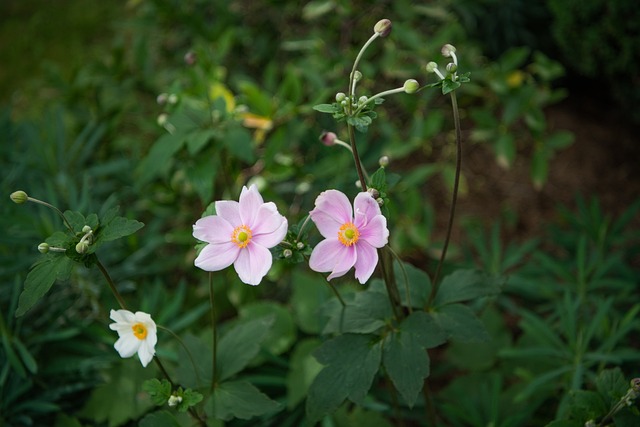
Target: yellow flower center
(139, 330)
(241, 236)
(348, 234)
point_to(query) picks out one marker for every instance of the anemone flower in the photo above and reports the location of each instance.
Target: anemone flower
(241, 234)
(350, 239)
(137, 332)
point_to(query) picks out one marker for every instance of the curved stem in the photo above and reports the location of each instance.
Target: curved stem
(352, 82)
(186, 349)
(336, 293)
(405, 277)
(214, 332)
(456, 183)
(58, 211)
(378, 95)
(112, 285)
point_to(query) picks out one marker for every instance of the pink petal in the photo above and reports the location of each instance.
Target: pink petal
(331, 212)
(253, 263)
(267, 219)
(213, 229)
(250, 202)
(217, 256)
(366, 208)
(269, 240)
(366, 262)
(375, 232)
(229, 210)
(331, 255)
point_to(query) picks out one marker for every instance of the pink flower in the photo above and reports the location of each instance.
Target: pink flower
(241, 234)
(350, 241)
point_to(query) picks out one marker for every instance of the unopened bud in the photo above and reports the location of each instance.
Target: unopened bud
(432, 67)
(411, 86)
(383, 27)
(174, 400)
(383, 161)
(162, 119)
(190, 58)
(357, 76)
(287, 253)
(82, 247)
(358, 184)
(19, 197)
(380, 201)
(172, 99)
(86, 229)
(328, 138)
(362, 100)
(635, 384)
(374, 193)
(300, 245)
(340, 96)
(447, 50)
(43, 248)
(452, 68)
(162, 99)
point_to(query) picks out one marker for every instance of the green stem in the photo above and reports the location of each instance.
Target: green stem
(112, 285)
(186, 349)
(336, 293)
(192, 411)
(454, 201)
(58, 211)
(355, 67)
(356, 157)
(405, 277)
(378, 95)
(390, 281)
(428, 400)
(214, 333)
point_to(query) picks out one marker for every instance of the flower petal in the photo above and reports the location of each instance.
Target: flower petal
(332, 256)
(274, 236)
(331, 212)
(253, 263)
(217, 256)
(366, 208)
(229, 210)
(121, 317)
(127, 345)
(146, 352)
(213, 229)
(366, 262)
(375, 232)
(250, 202)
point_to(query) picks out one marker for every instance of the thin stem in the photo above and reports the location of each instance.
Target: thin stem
(352, 82)
(186, 349)
(454, 201)
(405, 277)
(336, 293)
(378, 95)
(112, 285)
(356, 158)
(214, 333)
(58, 211)
(390, 281)
(192, 411)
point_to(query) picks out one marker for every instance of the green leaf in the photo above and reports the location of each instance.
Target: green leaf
(365, 312)
(465, 285)
(424, 329)
(239, 399)
(159, 158)
(159, 419)
(460, 323)
(41, 277)
(352, 361)
(539, 167)
(282, 334)
(611, 384)
(114, 229)
(449, 86)
(239, 142)
(361, 123)
(241, 344)
(586, 405)
(159, 391)
(328, 108)
(309, 293)
(189, 398)
(303, 368)
(379, 180)
(417, 281)
(197, 140)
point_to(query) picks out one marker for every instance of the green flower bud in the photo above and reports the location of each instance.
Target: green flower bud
(383, 27)
(162, 119)
(19, 197)
(383, 161)
(82, 247)
(162, 99)
(287, 253)
(432, 67)
(43, 248)
(411, 86)
(357, 76)
(300, 245)
(340, 96)
(452, 68)
(86, 229)
(172, 99)
(363, 99)
(447, 50)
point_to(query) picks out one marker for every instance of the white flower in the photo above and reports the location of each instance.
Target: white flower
(174, 400)
(137, 334)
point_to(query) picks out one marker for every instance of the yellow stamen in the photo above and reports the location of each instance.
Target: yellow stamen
(348, 234)
(241, 236)
(139, 330)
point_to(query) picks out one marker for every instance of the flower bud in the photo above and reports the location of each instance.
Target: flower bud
(43, 248)
(172, 99)
(162, 99)
(162, 119)
(447, 50)
(432, 67)
(190, 58)
(19, 197)
(374, 193)
(635, 384)
(362, 100)
(328, 138)
(383, 161)
(86, 229)
(452, 68)
(300, 245)
(340, 96)
(383, 27)
(380, 201)
(174, 400)
(82, 247)
(411, 86)
(287, 253)
(357, 76)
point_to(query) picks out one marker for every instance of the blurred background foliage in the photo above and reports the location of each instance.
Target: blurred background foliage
(162, 106)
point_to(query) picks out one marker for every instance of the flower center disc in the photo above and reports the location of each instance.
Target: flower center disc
(241, 236)
(139, 330)
(348, 234)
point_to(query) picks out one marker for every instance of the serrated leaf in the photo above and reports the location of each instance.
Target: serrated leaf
(159, 391)
(189, 398)
(449, 86)
(114, 229)
(425, 330)
(352, 361)
(239, 399)
(239, 345)
(364, 313)
(465, 285)
(41, 277)
(460, 323)
(406, 363)
(418, 282)
(379, 180)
